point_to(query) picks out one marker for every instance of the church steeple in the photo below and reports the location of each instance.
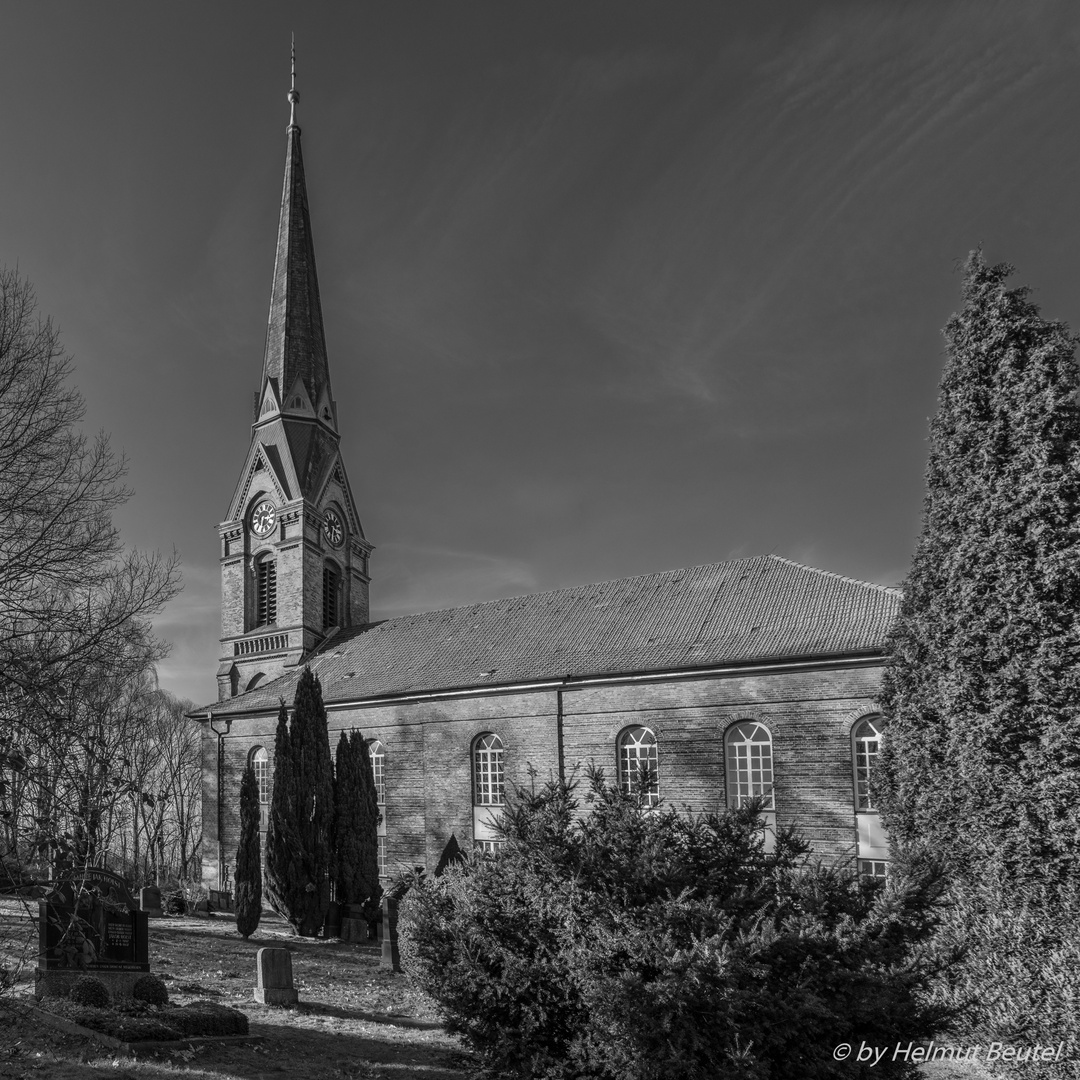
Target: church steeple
(294, 558)
(295, 340)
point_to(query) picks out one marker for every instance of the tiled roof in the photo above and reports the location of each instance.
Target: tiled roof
(743, 610)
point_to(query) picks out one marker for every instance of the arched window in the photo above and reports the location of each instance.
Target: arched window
(865, 747)
(488, 771)
(749, 764)
(378, 768)
(331, 596)
(638, 763)
(255, 680)
(378, 763)
(873, 843)
(259, 760)
(487, 791)
(265, 591)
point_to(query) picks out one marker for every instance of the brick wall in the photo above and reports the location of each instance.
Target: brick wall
(428, 749)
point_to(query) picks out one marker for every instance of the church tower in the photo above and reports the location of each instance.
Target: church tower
(294, 560)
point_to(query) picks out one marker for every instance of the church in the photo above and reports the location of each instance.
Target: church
(752, 677)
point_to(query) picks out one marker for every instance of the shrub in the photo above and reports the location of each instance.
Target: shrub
(136, 1021)
(88, 990)
(644, 944)
(151, 989)
(207, 1018)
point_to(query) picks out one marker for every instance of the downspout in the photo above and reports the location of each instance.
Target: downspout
(559, 731)
(220, 791)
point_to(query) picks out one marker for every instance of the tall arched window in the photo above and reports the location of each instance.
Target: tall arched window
(866, 745)
(638, 763)
(378, 769)
(265, 591)
(873, 844)
(488, 795)
(749, 764)
(260, 762)
(488, 771)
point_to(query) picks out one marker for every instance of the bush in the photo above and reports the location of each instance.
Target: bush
(644, 944)
(207, 1018)
(88, 990)
(137, 1021)
(151, 989)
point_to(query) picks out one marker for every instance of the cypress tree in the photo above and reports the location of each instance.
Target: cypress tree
(248, 871)
(298, 839)
(356, 822)
(282, 841)
(368, 825)
(981, 758)
(346, 823)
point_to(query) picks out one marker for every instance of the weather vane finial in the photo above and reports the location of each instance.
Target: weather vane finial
(294, 94)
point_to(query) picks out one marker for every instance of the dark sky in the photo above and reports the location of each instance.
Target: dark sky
(609, 288)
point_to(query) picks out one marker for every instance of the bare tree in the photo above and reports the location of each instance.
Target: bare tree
(76, 649)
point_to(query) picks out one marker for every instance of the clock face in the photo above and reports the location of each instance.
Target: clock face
(332, 528)
(263, 518)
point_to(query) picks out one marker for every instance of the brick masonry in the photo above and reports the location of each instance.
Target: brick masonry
(428, 744)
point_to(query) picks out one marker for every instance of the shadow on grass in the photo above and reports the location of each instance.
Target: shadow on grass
(293, 1051)
(319, 1008)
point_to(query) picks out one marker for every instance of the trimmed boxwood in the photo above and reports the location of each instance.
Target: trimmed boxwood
(88, 990)
(136, 1021)
(151, 989)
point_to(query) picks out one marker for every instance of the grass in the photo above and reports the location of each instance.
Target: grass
(329, 1034)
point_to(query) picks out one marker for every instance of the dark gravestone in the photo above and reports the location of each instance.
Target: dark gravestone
(390, 957)
(150, 900)
(91, 926)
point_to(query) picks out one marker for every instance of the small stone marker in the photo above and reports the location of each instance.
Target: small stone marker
(274, 977)
(150, 900)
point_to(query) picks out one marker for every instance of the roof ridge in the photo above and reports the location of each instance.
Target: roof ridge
(889, 589)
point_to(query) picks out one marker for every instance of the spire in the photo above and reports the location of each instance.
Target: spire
(295, 341)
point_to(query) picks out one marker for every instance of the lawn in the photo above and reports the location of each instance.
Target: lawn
(350, 1023)
(331, 1033)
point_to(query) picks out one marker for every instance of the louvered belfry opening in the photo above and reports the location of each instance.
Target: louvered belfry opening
(331, 589)
(267, 592)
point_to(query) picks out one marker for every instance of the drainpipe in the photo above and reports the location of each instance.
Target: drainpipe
(220, 790)
(559, 731)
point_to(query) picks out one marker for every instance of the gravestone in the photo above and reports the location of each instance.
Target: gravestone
(150, 900)
(390, 957)
(91, 926)
(274, 977)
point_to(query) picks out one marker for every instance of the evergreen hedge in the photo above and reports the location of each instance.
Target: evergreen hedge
(642, 944)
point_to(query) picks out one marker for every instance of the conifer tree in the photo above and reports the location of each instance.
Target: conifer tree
(248, 870)
(356, 819)
(346, 823)
(368, 830)
(282, 841)
(982, 750)
(298, 874)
